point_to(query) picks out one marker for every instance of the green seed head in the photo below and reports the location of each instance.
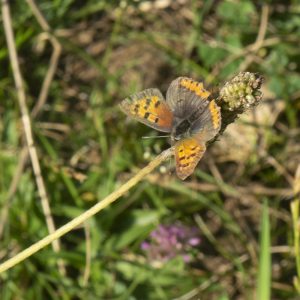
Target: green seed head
(242, 92)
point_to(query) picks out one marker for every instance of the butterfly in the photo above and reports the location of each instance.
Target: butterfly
(187, 114)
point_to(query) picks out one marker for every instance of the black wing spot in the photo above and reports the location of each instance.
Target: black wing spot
(146, 115)
(184, 166)
(157, 104)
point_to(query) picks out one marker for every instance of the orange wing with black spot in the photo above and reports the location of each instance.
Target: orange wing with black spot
(150, 108)
(188, 152)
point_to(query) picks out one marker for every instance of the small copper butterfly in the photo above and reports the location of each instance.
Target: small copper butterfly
(187, 114)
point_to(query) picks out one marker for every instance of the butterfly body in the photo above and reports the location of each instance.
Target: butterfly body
(187, 114)
(181, 129)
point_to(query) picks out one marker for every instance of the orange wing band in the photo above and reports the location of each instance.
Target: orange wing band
(188, 152)
(215, 114)
(195, 86)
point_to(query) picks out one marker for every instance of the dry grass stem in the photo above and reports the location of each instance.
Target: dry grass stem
(253, 48)
(24, 154)
(57, 49)
(27, 125)
(37, 108)
(259, 39)
(87, 214)
(88, 253)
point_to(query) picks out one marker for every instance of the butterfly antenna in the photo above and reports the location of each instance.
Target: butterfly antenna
(154, 137)
(170, 166)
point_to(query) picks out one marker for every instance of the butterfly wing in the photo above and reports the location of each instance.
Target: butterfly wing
(185, 96)
(208, 123)
(188, 152)
(188, 100)
(150, 108)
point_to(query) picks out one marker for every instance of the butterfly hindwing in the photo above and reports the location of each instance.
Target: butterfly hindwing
(208, 124)
(188, 152)
(150, 108)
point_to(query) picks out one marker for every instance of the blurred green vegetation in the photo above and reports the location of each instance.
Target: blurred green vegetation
(87, 147)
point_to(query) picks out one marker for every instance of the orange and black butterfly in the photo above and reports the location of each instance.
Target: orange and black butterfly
(187, 114)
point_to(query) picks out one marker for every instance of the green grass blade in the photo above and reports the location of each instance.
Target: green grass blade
(264, 272)
(295, 217)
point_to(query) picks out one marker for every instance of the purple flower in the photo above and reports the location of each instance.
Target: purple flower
(169, 241)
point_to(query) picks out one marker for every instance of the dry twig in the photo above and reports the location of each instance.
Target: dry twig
(53, 60)
(27, 124)
(87, 214)
(37, 108)
(250, 49)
